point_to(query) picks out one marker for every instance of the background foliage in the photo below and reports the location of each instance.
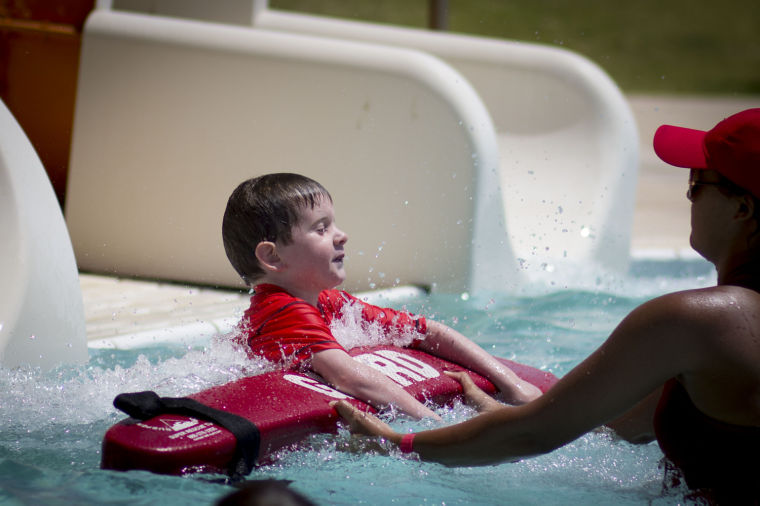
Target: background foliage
(657, 46)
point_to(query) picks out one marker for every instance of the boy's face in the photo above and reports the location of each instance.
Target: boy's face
(314, 259)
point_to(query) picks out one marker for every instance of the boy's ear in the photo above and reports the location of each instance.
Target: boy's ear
(266, 254)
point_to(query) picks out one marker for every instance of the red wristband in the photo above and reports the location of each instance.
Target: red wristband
(407, 440)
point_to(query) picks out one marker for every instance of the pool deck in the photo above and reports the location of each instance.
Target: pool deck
(125, 313)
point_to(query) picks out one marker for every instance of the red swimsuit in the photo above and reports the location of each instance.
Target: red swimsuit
(280, 327)
(712, 455)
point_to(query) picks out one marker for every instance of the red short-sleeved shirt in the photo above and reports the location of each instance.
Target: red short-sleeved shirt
(283, 328)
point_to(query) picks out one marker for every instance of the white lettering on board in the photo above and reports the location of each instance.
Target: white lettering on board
(315, 385)
(412, 363)
(184, 427)
(198, 432)
(401, 368)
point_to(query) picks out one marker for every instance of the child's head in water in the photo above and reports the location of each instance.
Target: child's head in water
(264, 493)
(281, 228)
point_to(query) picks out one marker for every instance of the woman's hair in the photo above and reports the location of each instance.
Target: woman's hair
(265, 208)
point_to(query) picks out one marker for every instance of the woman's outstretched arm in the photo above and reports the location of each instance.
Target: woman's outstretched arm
(646, 349)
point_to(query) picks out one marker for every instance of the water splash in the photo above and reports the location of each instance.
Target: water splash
(351, 330)
(83, 395)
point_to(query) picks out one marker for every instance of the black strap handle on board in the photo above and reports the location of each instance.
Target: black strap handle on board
(145, 405)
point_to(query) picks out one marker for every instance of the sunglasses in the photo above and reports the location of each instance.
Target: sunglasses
(694, 184)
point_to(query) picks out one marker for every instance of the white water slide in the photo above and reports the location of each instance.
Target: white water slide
(456, 162)
(41, 312)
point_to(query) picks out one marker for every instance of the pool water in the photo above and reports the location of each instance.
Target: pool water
(53, 423)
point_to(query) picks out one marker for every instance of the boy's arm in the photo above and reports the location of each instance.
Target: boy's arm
(637, 424)
(365, 383)
(447, 343)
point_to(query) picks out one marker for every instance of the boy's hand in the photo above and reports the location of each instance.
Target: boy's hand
(473, 395)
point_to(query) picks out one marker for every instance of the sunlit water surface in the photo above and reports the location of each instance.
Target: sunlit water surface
(53, 423)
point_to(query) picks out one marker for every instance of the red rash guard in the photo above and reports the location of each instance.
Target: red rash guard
(283, 328)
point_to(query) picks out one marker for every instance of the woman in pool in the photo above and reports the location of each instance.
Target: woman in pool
(684, 367)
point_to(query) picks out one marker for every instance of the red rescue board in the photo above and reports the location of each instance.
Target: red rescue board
(286, 407)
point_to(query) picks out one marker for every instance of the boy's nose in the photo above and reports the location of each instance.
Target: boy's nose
(340, 236)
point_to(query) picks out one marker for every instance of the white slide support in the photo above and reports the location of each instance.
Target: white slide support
(172, 114)
(41, 311)
(567, 138)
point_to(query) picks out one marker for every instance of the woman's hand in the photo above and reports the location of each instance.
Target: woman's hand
(361, 422)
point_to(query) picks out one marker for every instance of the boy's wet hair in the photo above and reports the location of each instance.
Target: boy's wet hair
(265, 208)
(266, 492)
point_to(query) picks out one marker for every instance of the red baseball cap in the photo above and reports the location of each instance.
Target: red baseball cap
(731, 148)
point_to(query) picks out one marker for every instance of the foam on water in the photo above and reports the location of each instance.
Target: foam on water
(351, 331)
(83, 395)
(53, 423)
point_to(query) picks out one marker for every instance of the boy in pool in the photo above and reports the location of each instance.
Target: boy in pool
(280, 235)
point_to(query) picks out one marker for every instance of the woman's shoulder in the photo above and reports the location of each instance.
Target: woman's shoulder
(709, 300)
(719, 314)
(712, 311)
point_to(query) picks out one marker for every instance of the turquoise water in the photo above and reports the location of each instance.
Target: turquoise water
(53, 423)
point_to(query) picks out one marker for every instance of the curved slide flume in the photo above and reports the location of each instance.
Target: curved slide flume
(482, 164)
(41, 311)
